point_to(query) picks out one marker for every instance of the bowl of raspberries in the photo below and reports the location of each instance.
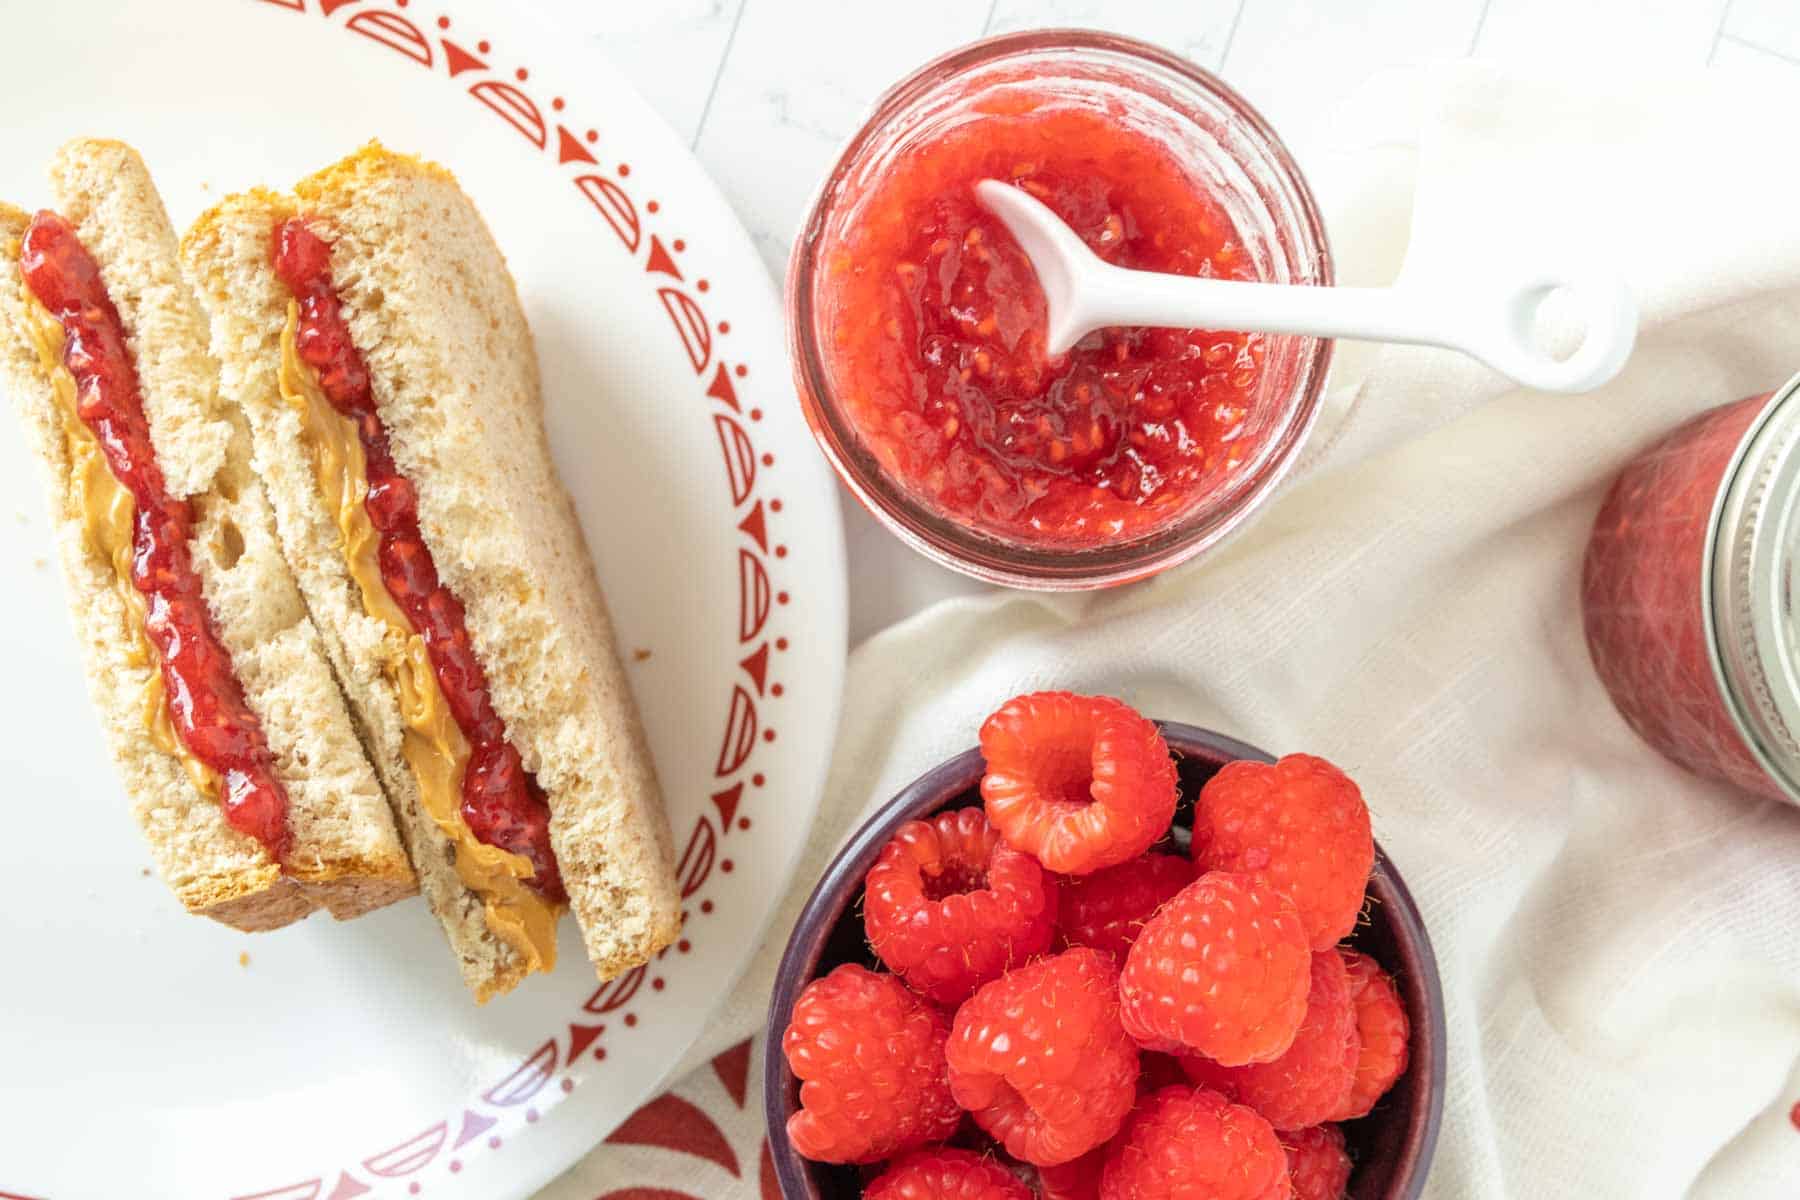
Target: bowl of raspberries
(1106, 958)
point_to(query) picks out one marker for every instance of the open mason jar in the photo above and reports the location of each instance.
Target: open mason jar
(911, 320)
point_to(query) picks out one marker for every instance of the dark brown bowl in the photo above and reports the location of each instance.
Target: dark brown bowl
(1392, 1146)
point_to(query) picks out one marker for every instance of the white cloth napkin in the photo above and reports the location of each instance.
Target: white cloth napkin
(1619, 941)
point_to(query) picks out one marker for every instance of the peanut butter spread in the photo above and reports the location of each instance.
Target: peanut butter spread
(107, 511)
(434, 746)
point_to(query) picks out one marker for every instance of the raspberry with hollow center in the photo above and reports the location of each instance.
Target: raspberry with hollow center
(1221, 970)
(1106, 910)
(1318, 1165)
(1158, 1071)
(1310, 1081)
(949, 906)
(1299, 823)
(870, 1058)
(1383, 1034)
(1193, 1144)
(943, 1173)
(1078, 782)
(1039, 1058)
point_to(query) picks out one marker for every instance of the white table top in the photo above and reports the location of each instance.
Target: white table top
(766, 90)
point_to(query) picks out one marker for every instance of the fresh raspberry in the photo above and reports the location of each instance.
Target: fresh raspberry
(1039, 1059)
(1309, 1082)
(1078, 782)
(1221, 970)
(949, 906)
(1318, 1164)
(870, 1057)
(1188, 1143)
(1105, 910)
(1299, 823)
(1382, 1030)
(946, 1174)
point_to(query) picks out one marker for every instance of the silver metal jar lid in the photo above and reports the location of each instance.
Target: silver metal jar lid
(1753, 551)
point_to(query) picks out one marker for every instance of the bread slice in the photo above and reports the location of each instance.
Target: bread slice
(346, 856)
(433, 310)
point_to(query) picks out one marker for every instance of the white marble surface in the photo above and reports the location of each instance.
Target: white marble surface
(765, 90)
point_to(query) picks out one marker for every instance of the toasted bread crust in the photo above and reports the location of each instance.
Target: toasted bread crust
(346, 857)
(433, 309)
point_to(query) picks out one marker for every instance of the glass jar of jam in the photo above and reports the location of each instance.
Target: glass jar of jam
(1687, 593)
(916, 325)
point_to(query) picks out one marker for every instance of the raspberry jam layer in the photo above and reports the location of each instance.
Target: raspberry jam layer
(933, 328)
(205, 703)
(1641, 586)
(502, 803)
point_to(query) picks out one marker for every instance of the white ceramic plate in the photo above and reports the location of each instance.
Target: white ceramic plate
(138, 1055)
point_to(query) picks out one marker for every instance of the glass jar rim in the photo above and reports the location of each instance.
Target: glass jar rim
(1019, 564)
(1750, 553)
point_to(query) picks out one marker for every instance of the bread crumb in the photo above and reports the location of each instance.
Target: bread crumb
(640, 654)
(40, 562)
(244, 958)
(144, 871)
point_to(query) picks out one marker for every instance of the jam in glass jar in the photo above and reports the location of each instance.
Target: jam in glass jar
(917, 327)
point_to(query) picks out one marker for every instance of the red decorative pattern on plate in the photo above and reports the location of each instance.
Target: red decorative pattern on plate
(514, 107)
(615, 993)
(507, 1103)
(697, 860)
(393, 31)
(410, 1155)
(527, 1079)
(348, 1187)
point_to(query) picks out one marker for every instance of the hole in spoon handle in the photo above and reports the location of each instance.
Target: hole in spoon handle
(1567, 332)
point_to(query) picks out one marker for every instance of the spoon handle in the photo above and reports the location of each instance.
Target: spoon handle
(1494, 324)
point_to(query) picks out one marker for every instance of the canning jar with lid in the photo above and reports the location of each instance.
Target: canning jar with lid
(1687, 593)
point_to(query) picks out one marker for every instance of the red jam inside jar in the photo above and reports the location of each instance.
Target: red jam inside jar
(1643, 581)
(206, 705)
(501, 801)
(933, 328)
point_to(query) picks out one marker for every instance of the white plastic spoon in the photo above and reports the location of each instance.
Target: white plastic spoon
(1494, 325)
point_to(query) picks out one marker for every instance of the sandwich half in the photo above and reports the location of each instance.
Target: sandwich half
(216, 697)
(368, 327)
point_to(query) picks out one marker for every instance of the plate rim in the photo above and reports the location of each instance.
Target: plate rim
(554, 1152)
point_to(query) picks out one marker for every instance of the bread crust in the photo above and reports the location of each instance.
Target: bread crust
(434, 312)
(346, 857)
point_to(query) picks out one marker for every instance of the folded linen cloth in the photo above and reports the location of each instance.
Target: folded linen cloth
(1619, 941)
